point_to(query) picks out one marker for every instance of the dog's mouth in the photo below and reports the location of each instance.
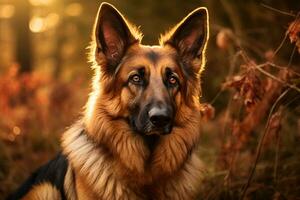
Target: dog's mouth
(152, 130)
(150, 133)
(147, 129)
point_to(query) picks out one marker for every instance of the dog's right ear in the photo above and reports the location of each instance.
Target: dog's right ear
(189, 38)
(113, 35)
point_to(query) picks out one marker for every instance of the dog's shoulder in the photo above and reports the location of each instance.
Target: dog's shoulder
(52, 173)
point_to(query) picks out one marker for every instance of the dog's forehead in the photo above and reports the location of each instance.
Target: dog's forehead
(151, 56)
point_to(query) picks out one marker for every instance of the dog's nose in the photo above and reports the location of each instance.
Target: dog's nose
(159, 117)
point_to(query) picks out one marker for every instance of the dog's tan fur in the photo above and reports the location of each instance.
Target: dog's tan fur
(44, 191)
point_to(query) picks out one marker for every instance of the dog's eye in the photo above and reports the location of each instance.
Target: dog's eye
(172, 80)
(136, 79)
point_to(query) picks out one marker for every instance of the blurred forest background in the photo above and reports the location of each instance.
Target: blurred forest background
(251, 87)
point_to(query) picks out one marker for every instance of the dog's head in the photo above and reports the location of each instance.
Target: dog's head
(147, 86)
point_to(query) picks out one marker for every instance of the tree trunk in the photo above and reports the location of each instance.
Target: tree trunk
(21, 24)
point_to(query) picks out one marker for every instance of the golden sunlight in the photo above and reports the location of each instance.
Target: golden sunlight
(37, 24)
(7, 11)
(74, 9)
(41, 2)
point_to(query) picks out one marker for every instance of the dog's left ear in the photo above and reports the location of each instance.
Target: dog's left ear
(190, 36)
(113, 35)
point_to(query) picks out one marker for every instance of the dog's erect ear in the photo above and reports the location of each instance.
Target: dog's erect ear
(113, 35)
(190, 36)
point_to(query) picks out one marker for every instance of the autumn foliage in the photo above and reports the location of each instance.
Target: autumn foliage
(34, 106)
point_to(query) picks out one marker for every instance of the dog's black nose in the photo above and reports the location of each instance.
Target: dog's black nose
(159, 117)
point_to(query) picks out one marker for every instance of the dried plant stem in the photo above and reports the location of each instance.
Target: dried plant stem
(276, 160)
(279, 67)
(260, 144)
(226, 118)
(233, 16)
(230, 72)
(277, 10)
(281, 44)
(216, 97)
(258, 67)
(292, 55)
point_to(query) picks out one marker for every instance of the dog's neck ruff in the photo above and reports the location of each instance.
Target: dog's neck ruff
(101, 171)
(94, 164)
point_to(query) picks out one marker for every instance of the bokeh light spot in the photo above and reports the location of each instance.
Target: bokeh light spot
(7, 11)
(37, 24)
(74, 9)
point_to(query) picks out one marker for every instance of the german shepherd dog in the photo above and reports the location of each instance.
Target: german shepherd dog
(137, 136)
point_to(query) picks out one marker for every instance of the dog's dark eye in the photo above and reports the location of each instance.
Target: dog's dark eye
(136, 79)
(173, 80)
